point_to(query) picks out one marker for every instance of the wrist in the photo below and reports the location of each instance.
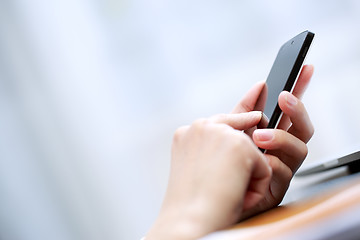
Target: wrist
(177, 225)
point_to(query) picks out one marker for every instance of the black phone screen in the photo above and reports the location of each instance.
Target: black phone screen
(283, 74)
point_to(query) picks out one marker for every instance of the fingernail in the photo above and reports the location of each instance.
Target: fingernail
(263, 135)
(258, 114)
(291, 100)
(255, 115)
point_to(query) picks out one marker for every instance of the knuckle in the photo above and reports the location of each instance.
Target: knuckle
(311, 131)
(301, 104)
(200, 126)
(218, 117)
(305, 151)
(280, 169)
(200, 122)
(301, 107)
(287, 174)
(300, 158)
(243, 141)
(179, 133)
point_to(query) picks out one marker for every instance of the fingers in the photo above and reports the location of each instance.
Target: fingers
(299, 89)
(261, 173)
(256, 191)
(239, 121)
(179, 133)
(292, 150)
(280, 180)
(295, 110)
(281, 177)
(303, 80)
(248, 102)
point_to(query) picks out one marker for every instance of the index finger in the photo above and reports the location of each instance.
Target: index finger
(248, 102)
(239, 121)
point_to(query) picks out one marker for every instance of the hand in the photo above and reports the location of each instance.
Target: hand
(286, 145)
(217, 172)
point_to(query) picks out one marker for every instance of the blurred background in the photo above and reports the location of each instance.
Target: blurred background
(92, 91)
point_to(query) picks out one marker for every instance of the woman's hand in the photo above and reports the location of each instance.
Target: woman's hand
(217, 172)
(286, 145)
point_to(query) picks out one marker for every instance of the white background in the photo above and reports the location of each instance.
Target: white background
(92, 91)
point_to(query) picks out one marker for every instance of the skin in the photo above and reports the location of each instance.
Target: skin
(219, 176)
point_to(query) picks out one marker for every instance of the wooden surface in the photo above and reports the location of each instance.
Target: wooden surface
(300, 215)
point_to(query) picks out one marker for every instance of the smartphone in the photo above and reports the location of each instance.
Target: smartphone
(283, 75)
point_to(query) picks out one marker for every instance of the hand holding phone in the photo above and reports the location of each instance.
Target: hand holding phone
(283, 75)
